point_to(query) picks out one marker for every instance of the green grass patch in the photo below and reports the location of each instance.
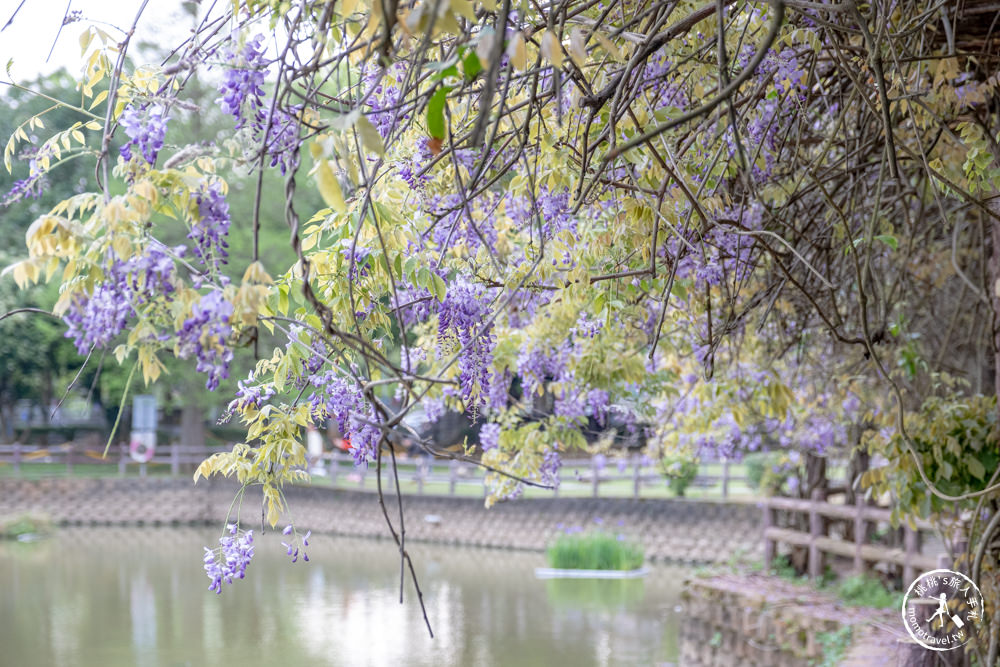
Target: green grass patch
(594, 551)
(867, 591)
(834, 645)
(24, 524)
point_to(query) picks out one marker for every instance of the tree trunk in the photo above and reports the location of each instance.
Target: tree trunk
(993, 204)
(815, 476)
(192, 427)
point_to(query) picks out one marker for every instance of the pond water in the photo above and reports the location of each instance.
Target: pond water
(138, 597)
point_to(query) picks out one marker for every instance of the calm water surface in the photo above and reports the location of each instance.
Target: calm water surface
(113, 596)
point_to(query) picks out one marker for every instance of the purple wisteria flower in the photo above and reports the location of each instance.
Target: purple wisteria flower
(210, 231)
(357, 261)
(433, 409)
(489, 436)
(94, 319)
(205, 334)
(145, 129)
(499, 392)
(551, 208)
(293, 550)
(229, 560)
(537, 365)
(341, 399)
(462, 316)
(248, 395)
(282, 139)
(25, 188)
(243, 82)
(549, 470)
(409, 170)
(463, 222)
(242, 96)
(36, 182)
(598, 401)
(384, 96)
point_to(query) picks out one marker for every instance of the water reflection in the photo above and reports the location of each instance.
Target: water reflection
(107, 596)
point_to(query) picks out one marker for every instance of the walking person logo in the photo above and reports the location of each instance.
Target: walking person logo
(957, 608)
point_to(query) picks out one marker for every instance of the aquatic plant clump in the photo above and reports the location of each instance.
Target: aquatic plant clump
(594, 551)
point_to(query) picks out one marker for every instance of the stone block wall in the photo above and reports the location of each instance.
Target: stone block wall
(679, 530)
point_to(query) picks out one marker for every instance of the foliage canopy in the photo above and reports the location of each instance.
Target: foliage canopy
(598, 201)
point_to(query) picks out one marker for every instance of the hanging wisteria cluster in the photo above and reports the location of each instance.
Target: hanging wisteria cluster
(230, 559)
(574, 224)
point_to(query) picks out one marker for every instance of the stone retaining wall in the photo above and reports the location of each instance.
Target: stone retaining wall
(694, 531)
(759, 621)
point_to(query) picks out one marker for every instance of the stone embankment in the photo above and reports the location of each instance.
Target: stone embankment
(759, 621)
(677, 530)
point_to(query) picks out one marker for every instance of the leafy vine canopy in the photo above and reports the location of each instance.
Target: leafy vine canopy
(546, 215)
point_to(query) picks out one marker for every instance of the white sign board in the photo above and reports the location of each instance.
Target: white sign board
(144, 413)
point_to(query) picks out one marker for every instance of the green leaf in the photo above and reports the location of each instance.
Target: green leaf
(281, 374)
(410, 267)
(976, 468)
(599, 301)
(283, 299)
(471, 65)
(889, 240)
(435, 112)
(440, 289)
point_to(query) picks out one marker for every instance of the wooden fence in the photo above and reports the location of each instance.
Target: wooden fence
(425, 471)
(637, 478)
(820, 543)
(67, 455)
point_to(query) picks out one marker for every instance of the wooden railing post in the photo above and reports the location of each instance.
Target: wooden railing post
(725, 478)
(420, 475)
(122, 453)
(910, 547)
(452, 476)
(636, 475)
(334, 468)
(68, 450)
(17, 458)
(815, 531)
(859, 533)
(175, 459)
(595, 477)
(769, 545)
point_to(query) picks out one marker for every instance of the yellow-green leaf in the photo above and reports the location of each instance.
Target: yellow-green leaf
(370, 138)
(552, 49)
(329, 187)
